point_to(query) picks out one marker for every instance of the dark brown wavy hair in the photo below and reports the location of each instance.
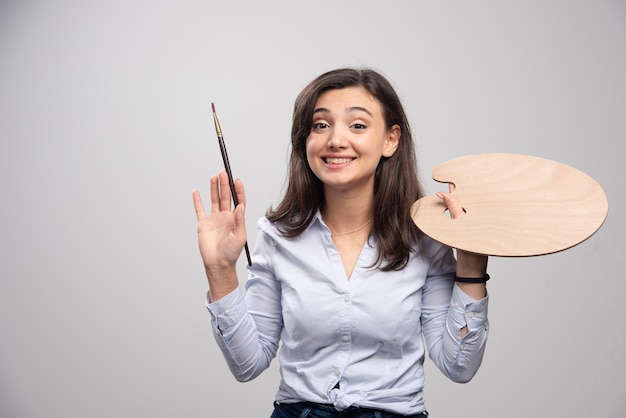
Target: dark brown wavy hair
(396, 183)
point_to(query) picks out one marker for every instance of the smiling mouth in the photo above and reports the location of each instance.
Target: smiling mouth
(343, 160)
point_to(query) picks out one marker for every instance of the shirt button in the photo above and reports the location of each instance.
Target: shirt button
(462, 347)
(345, 338)
(227, 312)
(470, 314)
(346, 298)
(336, 372)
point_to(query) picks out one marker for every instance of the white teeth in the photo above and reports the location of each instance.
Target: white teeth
(337, 160)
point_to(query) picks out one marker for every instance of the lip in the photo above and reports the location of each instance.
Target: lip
(337, 161)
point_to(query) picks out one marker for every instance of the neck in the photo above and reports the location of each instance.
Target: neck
(347, 213)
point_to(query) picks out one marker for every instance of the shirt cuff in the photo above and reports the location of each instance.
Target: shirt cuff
(228, 310)
(467, 310)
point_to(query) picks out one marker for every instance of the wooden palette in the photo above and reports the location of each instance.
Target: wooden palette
(516, 206)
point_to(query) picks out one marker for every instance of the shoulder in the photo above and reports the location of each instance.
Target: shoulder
(264, 224)
(432, 251)
(427, 245)
(277, 229)
(268, 228)
(272, 246)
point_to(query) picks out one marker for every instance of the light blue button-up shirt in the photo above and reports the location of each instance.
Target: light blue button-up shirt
(348, 342)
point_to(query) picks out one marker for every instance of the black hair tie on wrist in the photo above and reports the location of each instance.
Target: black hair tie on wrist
(472, 279)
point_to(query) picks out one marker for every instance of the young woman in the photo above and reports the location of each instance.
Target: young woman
(340, 276)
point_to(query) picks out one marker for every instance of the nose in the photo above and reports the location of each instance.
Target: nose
(337, 139)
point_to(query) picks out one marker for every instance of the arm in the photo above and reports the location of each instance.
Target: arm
(455, 326)
(247, 329)
(248, 342)
(455, 314)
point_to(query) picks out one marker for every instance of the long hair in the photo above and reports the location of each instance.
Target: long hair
(396, 183)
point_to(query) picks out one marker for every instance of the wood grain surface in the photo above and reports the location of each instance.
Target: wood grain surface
(516, 205)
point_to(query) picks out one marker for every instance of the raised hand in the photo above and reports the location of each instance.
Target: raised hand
(221, 235)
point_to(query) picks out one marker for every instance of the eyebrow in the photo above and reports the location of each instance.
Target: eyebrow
(350, 109)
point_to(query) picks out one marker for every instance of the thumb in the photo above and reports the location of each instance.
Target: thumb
(240, 221)
(455, 209)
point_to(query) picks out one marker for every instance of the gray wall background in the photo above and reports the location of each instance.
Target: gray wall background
(105, 130)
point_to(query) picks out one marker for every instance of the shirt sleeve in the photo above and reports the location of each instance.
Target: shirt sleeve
(446, 308)
(247, 326)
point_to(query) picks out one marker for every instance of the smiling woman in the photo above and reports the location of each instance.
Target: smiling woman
(398, 171)
(348, 140)
(341, 239)
(105, 128)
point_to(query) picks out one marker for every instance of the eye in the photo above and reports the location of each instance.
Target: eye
(319, 126)
(359, 126)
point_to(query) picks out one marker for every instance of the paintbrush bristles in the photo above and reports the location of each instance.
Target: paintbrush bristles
(218, 129)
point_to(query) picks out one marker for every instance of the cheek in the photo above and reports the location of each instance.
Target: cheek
(307, 150)
(311, 149)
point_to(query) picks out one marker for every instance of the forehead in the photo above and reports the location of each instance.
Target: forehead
(348, 98)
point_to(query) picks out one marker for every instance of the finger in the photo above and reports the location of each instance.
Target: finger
(241, 196)
(451, 187)
(224, 191)
(197, 204)
(215, 195)
(455, 209)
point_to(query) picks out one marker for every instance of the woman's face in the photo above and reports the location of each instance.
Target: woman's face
(348, 138)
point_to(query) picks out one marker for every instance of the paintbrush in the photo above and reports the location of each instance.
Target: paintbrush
(231, 181)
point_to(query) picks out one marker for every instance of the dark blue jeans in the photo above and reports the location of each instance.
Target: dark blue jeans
(314, 410)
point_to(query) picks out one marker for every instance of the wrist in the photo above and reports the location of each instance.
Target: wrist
(222, 281)
(471, 265)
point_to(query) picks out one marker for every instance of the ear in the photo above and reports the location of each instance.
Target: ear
(392, 141)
